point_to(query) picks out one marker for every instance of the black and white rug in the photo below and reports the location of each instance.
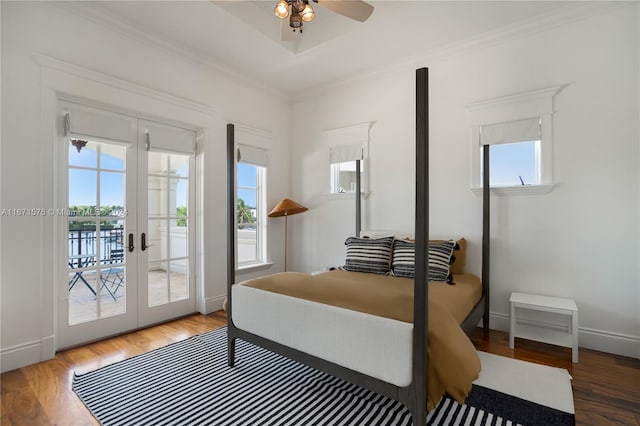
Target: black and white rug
(189, 383)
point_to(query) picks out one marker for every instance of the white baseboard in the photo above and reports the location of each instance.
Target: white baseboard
(213, 304)
(27, 353)
(599, 340)
(607, 341)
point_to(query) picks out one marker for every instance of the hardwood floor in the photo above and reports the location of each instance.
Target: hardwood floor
(606, 387)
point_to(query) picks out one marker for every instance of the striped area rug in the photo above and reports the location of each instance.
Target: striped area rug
(189, 383)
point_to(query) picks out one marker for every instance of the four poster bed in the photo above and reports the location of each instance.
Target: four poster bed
(370, 329)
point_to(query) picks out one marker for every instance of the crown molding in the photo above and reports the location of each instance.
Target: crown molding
(99, 77)
(98, 14)
(531, 95)
(573, 12)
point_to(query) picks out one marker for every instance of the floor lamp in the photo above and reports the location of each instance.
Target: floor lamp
(286, 208)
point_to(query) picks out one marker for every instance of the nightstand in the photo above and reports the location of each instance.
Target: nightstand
(556, 305)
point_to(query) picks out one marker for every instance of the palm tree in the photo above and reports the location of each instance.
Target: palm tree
(244, 213)
(181, 212)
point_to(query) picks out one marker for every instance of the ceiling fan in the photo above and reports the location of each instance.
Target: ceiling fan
(300, 11)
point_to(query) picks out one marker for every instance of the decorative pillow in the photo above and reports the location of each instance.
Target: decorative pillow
(404, 258)
(368, 255)
(456, 266)
(439, 257)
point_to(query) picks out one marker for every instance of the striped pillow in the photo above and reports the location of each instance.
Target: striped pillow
(368, 255)
(404, 257)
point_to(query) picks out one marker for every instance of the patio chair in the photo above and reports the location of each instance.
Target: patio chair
(76, 262)
(113, 278)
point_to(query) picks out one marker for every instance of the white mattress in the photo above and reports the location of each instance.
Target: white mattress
(376, 346)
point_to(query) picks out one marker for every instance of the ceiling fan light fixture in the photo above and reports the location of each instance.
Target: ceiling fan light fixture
(308, 13)
(282, 9)
(300, 11)
(295, 21)
(297, 6)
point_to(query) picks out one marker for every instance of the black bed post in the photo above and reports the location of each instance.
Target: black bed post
(358, 200)
(420, 288)
(231, 241)
(486, 235)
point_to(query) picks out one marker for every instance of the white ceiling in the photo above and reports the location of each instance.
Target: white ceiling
(243, 37)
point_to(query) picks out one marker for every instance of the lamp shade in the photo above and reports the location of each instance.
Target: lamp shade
(286, 207)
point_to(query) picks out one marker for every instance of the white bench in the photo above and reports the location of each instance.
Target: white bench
(543, 334)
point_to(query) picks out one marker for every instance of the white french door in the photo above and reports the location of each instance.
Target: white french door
(165, 222)
(126, 228)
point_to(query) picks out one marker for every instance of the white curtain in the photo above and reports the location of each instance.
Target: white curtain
(344, 153)
(163, 138)
(526, 130)
(253, 155)
(83, 122)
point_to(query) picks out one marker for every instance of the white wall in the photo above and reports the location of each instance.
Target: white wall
(580, 241)
(28, 310)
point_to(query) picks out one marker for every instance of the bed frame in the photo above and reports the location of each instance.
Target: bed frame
(413, 396)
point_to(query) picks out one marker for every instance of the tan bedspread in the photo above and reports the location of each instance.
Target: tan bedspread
(453, 361)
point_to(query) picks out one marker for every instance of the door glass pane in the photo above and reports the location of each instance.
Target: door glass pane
(181, 194)
(112, 242)
(82, 277)
(82, 190)
(179, 279)
(96, 259)
(157, 163)
(158, 285)
(82, 242)
(112, 157)
(111, 193)
(157, 241)
(179, 236)
(168, 209)
(112, 289)
(157, 204)
(82, 301)
(87, 156)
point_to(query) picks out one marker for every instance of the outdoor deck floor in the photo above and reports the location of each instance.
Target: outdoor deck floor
(83, 305)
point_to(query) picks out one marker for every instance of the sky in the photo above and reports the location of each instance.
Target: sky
(508, 161)
(247, 177)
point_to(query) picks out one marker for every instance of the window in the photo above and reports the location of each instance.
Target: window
(514, 164)
(343, 177)
(518, 130)
(514, 152)
(251, 212)
(346, 146)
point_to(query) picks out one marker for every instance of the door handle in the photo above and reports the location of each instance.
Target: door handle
(131, 247)
(143, 241)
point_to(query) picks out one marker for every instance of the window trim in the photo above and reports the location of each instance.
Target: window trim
(534, 103)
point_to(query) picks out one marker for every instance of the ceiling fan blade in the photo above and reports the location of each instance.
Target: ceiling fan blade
(286, 32)
(354, 9)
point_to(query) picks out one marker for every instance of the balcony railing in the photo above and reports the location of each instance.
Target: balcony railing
(85, 241)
